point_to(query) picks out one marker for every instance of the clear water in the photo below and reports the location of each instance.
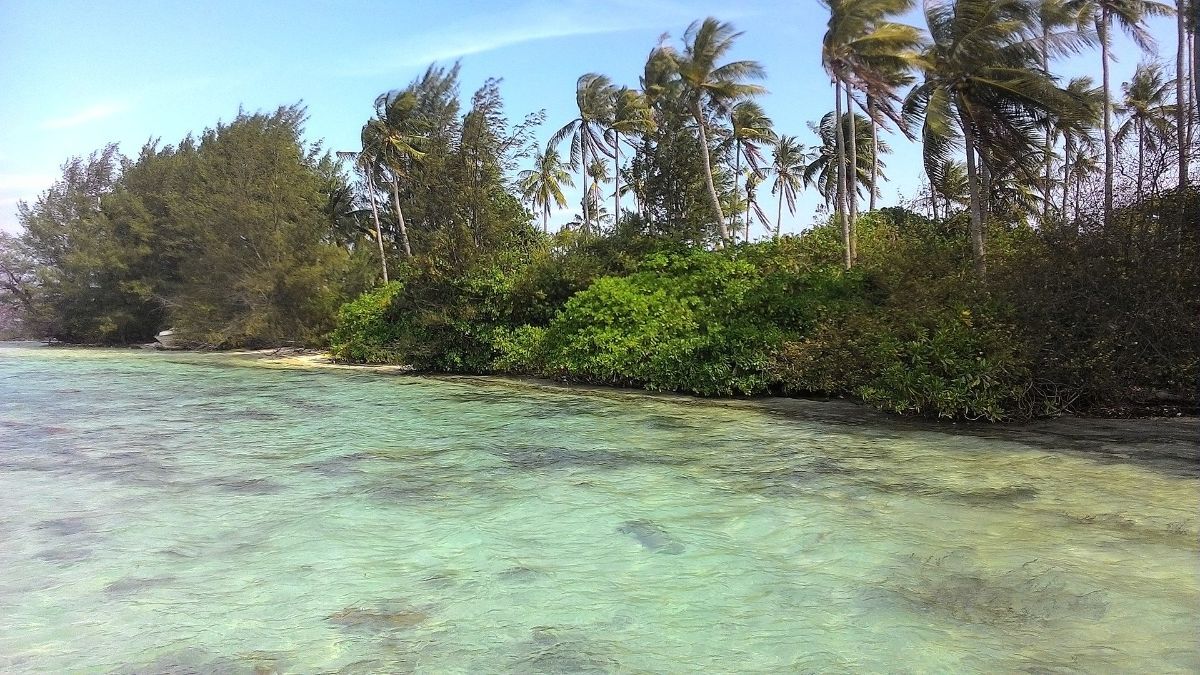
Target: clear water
(192, 513)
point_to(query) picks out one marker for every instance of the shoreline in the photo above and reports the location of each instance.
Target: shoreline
(1169, 443)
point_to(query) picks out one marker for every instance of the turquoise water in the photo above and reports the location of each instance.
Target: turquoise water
(204, 513)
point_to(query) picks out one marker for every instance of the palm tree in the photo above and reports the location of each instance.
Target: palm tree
(593, 198)
(1130, 15)
(749, 127)
(360, 161)
(1077, 133)
(1182, 110)
(542, 185)
(982, 87)
(1148, 113)
(394, 145)
(753, 180)
(631, 117)
(861, 50)
(594, 99)
(823, 169)
(787, 164)
(710, 85)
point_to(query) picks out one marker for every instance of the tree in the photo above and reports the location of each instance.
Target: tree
(594, 100)
(1130, 15)
(787, 165)
(711, 86)
(392, 146)
(1148, 114)
(822, 170)
(1077, 133)
(360, 162)
(861, 50)
(982, 87)
(542, 185)
(631, 117)
(749, 128)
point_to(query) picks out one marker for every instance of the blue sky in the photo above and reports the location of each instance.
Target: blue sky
(76, 75)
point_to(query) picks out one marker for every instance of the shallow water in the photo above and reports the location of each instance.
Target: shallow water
(202, 513)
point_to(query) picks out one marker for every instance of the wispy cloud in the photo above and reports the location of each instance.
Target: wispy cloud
(528, 22)
(92, 113)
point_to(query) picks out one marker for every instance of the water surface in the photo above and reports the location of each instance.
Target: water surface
(201, 513)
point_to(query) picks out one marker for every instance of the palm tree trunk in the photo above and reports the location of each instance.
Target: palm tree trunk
(1141, 158)
(1066, 172)
(378, 229)
(1047, 146)
(400, 217)
(737, 172)
(749, 205)
(779, 214)
(841, 173)
(586, 193)
(852, 176)
(1109, 163)
(546, 218)
(616, 180)
(708, 175)
(1181, 107)
(874, 150)
(977, 249)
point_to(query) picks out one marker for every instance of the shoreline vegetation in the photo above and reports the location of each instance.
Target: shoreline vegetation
(1038, 272)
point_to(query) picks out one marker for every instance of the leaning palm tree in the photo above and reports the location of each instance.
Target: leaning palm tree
(1148, 113)
(709, 85)
(362, 163)
(749, 128)
(632, 116)
(753, 208)
(787, 165)
(395, 146)
(594, 100)
(863, 51)
(982, 88)
(542, 185)
(1130, 15)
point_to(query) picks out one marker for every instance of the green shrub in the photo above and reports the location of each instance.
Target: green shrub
(368, 331)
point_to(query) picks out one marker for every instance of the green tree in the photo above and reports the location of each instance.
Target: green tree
(822, 169)
(542, 185)
(863, 51)
(632, 117)
(787, 165)
(712, 86)
(392, 143)
(982, 85)
(1149, 112)
(749, 129)
(594, 99)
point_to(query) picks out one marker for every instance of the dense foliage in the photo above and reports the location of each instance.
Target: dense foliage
(998, 293)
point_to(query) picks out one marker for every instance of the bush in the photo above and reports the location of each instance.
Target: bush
(368, 331)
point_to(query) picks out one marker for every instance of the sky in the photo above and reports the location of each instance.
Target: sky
(75, 75)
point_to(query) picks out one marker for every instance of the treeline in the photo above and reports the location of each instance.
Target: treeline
(1025, 279)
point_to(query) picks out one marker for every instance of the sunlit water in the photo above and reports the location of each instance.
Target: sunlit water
(198, 513)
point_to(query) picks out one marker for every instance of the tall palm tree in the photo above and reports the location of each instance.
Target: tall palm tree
(823, 169)
(1148, 113)
(864, 51)
(787, 165)
(982, 87)
(1182, 109)
(542, 185)
(632, 116)
(713, 86)
(395, 146)
(749, 127)
(1130, 15)
(594, 100)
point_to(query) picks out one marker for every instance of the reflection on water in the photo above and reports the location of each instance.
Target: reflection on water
(190, 513)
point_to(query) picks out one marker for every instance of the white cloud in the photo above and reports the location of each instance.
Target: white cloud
(528, 22)
(90, 114)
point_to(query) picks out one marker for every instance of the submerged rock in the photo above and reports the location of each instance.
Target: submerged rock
(651, 536)
(377, 620)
